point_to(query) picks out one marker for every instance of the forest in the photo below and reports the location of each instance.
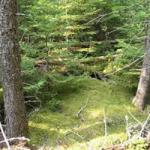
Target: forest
(74, 74)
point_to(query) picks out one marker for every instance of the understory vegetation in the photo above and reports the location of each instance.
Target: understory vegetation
(81, 61)
(71, 129)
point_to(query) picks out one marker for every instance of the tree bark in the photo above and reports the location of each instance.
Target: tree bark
(16, 121)
(144, 82)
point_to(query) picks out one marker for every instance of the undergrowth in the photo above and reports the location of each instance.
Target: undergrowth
(70, 132)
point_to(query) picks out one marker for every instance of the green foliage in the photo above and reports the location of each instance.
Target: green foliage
(67, 34)
(71, 32)
(140, 144)
(128, 79)
(28, 50)
(54, 105)
(27, 64)
(64, 25)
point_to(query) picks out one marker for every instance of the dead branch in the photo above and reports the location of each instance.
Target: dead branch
(144, 125)
(4, 136)
(78, 114)
(75, 133)
(127, 127)
(126, 66)
(14, 139)
(141, 133)
(134, 118)
(105, 128)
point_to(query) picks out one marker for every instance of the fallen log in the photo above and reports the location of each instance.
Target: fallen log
(62, 61)
(97, 59)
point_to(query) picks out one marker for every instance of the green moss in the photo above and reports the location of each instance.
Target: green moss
(65, 128)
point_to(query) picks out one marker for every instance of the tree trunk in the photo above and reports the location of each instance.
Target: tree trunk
(16, 122)
(144, 82)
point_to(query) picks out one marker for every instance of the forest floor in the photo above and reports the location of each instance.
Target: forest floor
(80, 123)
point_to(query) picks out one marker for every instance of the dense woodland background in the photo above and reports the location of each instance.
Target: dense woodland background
(73, 38)
(81, 62)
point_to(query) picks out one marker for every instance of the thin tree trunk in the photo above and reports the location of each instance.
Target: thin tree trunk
(16, 122)
(144, 82)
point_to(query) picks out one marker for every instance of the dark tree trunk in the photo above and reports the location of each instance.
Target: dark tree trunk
(144, 82)
(16, 122)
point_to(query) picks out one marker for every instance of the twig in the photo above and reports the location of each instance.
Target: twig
(144, 125)
(82, 108)
(99, 18)
(127, 126)
(125, 67)
(30, 101)
(95, 19)
(122, 145)
(5, 138)
(17, 138)
(75, 133)
(105, 129)
(37, 100)
(105, 124)
(134, 118)
(136, 136)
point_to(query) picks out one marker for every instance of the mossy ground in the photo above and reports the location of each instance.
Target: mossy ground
(67, 131)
